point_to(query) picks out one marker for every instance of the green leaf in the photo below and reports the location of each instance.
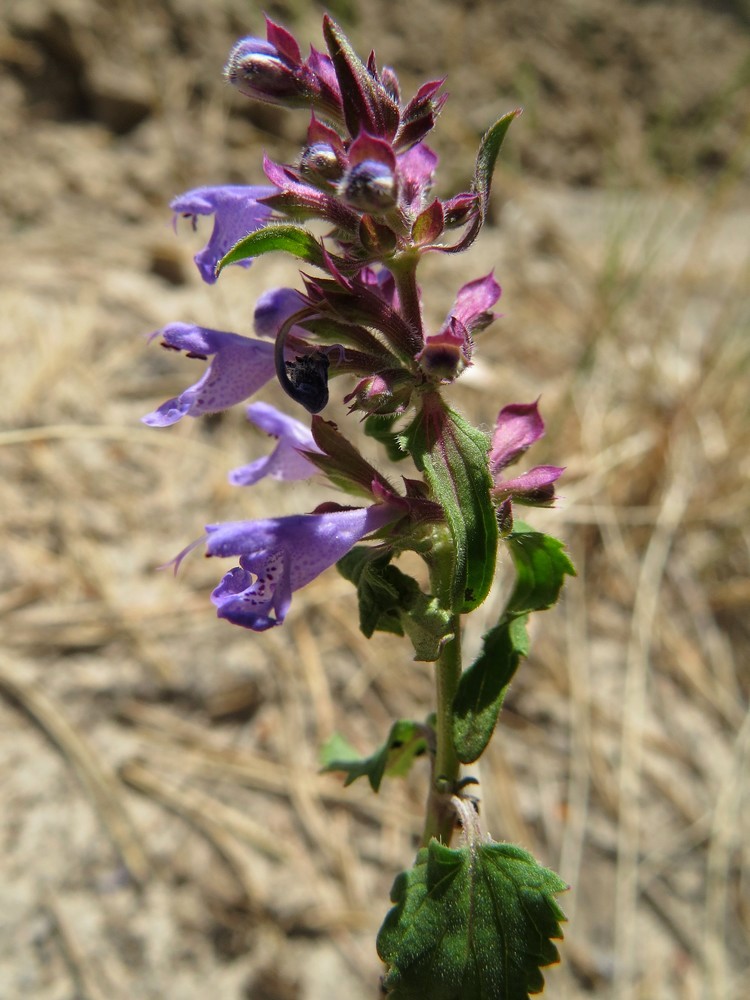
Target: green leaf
(391, 601)
(377, 594)
(381, 428)
(474, 923)
(288, 239)
(487, 155)
(541, 566)
(452, 455)
(406, 741)
(482, 688)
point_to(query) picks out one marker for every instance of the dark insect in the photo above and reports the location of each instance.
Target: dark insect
(307, 381)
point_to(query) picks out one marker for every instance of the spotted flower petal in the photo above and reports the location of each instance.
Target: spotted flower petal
(236, 213)
(285, 461)
(240, 366)
(281, 555)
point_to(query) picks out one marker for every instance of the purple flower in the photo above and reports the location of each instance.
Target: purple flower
(416, 170)
(285, 461)
(473, 303)
(281, 555)
(239, 368)
(447, 353)
(273, 308)
(518, 426)
(236, 213)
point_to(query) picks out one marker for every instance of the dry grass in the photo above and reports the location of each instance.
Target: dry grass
(164, 831)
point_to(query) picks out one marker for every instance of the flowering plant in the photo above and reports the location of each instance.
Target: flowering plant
(474, 920)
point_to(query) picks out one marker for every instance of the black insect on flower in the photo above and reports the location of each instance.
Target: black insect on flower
(307, 378)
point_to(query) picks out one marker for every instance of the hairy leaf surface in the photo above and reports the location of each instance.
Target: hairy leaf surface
(473, 923)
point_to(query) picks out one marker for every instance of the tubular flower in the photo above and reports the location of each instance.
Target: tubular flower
(447, 353)
(281, 555)
(273, 308)
(285, 461)
(518, 426)
(240, 366)
(236, 211)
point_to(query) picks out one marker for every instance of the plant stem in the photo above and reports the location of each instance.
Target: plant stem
(404, 271)
(440, 818)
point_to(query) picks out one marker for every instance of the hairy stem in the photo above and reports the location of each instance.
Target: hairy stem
(404, 271)
(440, 818)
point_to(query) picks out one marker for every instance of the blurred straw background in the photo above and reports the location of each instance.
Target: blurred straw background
(163, 829)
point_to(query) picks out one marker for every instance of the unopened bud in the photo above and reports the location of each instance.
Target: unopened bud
(446, 354)
(257, 70)
(460, 209)
(370, 187)
(319, 164)
(385, 393)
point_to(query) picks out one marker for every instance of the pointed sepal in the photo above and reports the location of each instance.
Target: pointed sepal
(342, 463)
(368, 107)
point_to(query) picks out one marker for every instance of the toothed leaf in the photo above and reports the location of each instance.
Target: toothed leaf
(474, 923)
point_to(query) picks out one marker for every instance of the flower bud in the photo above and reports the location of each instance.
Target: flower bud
(446, 354)
(385, 393)
(370, 187)
(460, 209)
(320, 165)
(257, 69)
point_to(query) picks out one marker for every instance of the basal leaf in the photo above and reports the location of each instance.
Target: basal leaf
(473, 923)
(406, 741)
(288, 239)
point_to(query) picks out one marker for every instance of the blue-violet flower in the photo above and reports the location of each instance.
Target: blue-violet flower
(281, 555)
